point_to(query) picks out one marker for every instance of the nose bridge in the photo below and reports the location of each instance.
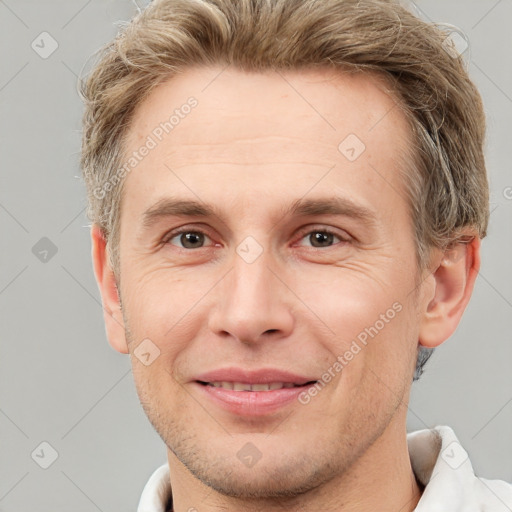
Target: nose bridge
(251, 281)
(250, 302)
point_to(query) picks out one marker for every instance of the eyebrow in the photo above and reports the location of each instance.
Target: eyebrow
(169, 207)
(333, 206)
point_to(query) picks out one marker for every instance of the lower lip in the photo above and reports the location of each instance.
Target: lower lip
(252, 403)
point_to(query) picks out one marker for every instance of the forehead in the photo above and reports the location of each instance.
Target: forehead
(325, 104)
(271, 127)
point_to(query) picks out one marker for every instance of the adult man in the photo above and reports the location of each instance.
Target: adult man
(287, 199)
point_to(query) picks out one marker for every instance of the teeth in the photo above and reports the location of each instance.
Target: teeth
(242, 386)
(263, 387)
(238, 386)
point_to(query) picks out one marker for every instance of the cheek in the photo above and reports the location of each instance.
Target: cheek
(390, 352)
(371, 318)
(162, 320)
(350, 300)
(162, 304)
(378, 359)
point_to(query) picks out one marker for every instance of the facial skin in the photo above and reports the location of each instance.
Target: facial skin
(251, 148)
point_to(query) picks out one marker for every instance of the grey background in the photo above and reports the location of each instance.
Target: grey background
(60, 381)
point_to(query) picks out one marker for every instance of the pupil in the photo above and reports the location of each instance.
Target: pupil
(320, 239)
(192, 240)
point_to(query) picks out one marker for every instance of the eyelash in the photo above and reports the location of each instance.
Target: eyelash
(303, 233)
(173, 234)
(327, 231)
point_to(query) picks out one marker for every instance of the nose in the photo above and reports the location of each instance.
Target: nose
(251, 303)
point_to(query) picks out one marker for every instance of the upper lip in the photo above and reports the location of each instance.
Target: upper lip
(260, 376)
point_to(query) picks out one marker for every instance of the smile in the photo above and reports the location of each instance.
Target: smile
(243, 386)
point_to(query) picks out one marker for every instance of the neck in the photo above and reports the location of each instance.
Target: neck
(381, 479)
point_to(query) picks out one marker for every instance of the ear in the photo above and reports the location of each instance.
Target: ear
(454, 279)
(114, 322)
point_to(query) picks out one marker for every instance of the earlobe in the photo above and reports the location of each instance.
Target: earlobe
(454, 279)
(112, 313)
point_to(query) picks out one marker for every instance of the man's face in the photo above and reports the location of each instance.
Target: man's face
(298, 252)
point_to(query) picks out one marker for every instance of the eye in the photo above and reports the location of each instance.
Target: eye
(321, 238)
(188, 239)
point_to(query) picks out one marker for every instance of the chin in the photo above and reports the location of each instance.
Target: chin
(282, 477)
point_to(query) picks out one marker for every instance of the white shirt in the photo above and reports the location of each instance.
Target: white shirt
(439, 462)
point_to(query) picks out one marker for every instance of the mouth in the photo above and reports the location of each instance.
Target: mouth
(253, 399)
(246, 386)
(253, 392)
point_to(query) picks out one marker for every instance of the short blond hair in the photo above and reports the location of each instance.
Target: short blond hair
(445, 177)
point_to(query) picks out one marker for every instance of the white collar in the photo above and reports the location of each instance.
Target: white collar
(442, 465)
